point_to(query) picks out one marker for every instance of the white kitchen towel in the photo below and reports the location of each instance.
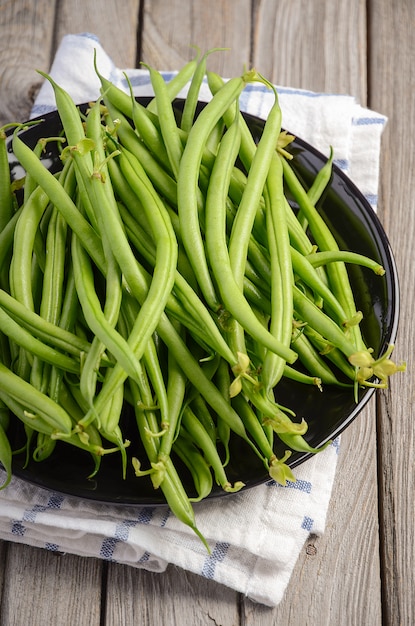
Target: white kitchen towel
(256, 535)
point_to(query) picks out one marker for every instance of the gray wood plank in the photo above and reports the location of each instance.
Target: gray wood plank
(114, 23)
(44, 587)
(3, 557)
(26, 40)
(392, 83)
(174, 597)
(301, 44)
(171, 29)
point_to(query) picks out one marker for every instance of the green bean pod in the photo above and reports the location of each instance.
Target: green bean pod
(61, 200)
(5, 457)
(187, 184)
(325, 240)
(197, 465)
(34, 401)
(202, 439)
(281, 274)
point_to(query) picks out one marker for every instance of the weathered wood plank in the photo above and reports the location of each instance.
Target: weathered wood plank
(300, 44)
(169, 34)
(3, 556)
(25, 45)
(174, 597)
(392, 83)
(43, 587)
(114, 23)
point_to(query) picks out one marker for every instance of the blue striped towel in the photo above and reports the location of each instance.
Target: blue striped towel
(255, 535)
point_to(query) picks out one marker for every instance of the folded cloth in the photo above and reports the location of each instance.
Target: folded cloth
(255, 535)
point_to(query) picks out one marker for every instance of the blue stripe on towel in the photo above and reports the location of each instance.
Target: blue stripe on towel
(217, 556)
(122, 533)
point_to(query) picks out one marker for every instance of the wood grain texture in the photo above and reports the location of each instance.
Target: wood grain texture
(299, 43)
(114, 23)
(25, 45)
(392, 84)
(170, 29)
(45, 588)
(3, 557)
(180, 598)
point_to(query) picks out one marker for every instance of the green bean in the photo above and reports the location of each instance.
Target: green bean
(6, 205)
(61, 200)
(30, 183)
(257, 176)
(34, 401)
(192, 97)
(111, 311)
(299, 444)
(253, 426)
(197, 465)
(109, 417)
(176, 84)
(202, 439)
(304, 269)
(152, 366)
(4, 416)
(248, 145)
(199, 407)
(217, 250)
(45, 446)
(320, 183)
(256, 297)
(52, 288)
(134, 149)
(118, 97)
(111, 225)
(196, 376)
(24, 234)
(168, 124)
(91, 307)
(178, 306)
(46, 331)
(346, 256)
(32, 422)
(184, 304)
(314, 363)
(223, 383)
(325, 240)
(301, 377)
(170, 484)
(5, 457)
(35, 347)
(281, 274)
(6, 244)
(166, 254)
(176, 388)
(331, 353)
(187, 184)
(321, 322)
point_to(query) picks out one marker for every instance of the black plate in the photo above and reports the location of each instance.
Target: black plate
(356, 228)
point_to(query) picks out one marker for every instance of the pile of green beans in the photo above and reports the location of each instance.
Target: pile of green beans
(163, 268)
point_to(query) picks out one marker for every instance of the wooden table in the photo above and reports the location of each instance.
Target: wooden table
(361, 571)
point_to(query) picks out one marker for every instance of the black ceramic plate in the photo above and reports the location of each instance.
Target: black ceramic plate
(356, 228)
